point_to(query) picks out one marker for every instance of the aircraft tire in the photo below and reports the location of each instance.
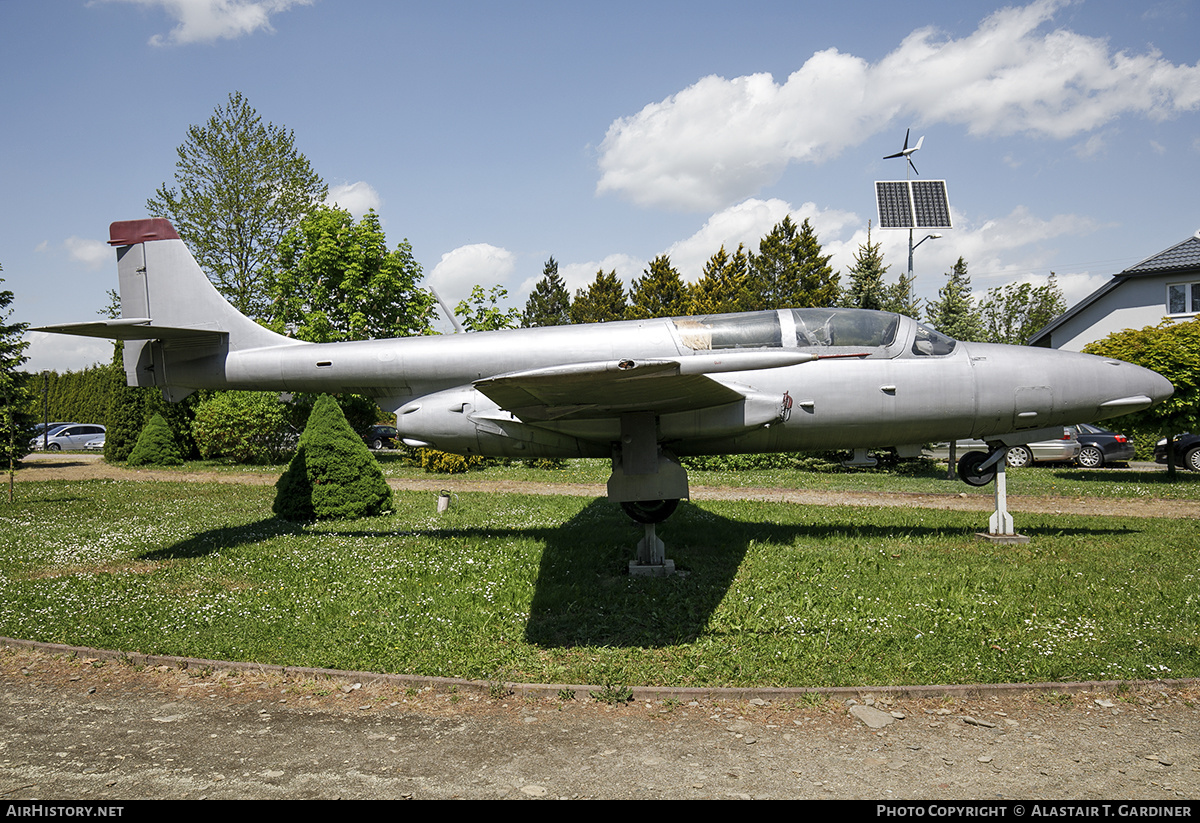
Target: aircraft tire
(967, 469)
(1091, 457)
(649, 511)
(1191, 460)
(1018, 457)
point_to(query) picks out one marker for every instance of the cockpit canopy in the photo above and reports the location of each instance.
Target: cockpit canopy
(843, 329)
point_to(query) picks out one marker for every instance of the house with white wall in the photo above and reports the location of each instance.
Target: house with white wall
(1165, 285)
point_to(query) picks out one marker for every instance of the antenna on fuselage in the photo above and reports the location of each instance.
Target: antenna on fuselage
(446, 310)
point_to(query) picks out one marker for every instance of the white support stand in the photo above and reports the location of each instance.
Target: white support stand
(651, 560)
(1000, 524)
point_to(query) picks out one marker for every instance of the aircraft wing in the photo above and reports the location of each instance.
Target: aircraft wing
(132, 328)
(609, 388)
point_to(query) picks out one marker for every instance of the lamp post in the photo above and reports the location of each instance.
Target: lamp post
(911, 249)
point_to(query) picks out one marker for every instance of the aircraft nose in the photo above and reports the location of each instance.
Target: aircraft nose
(1136, 388)
(1158, 388)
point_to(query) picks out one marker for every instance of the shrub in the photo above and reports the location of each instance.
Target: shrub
(155, 446)
(244, 426)
(333, 474)
(439, 462)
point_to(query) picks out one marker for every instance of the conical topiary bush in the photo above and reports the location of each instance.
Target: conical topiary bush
(333, 474)
(155, 446)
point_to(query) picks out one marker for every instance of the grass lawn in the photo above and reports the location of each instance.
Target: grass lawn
(533, 588)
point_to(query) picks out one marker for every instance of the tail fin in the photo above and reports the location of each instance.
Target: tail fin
(175, 322)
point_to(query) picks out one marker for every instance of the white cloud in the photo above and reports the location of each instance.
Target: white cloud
(95, 254)
(65, 352)
(206, 21)
(1093, 146)
(719, 141)
(356, 198)
(478, 264)
(1018, 247)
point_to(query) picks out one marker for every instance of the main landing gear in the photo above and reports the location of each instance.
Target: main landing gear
(648, 481)
(649, 511)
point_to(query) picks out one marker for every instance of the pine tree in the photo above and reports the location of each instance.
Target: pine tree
(899, 297)
(549, 303)
(155, 445)
(660, 292)
(789, 270)
(867, 289)
(604, 300)
(721, 288)
(333, 474)
(954, 314)
(16, 423)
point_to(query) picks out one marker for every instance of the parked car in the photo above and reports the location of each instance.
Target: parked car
(1100, 447)
(47, 429)
(70, 436)
(94, 445)
(1187, 451)
(380, 437)
(1063, 450)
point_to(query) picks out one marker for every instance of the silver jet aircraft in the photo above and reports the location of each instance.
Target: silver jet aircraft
(642, 392)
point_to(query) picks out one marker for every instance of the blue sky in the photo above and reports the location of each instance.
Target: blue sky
(492, 135)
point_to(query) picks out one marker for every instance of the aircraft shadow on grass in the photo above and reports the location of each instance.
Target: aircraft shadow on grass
(583, 595)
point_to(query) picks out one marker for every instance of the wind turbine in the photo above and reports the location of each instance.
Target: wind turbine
(907, 153)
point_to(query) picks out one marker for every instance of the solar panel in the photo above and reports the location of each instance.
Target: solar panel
(913, 204)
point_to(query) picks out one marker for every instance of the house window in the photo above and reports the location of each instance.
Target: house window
(1183, 298)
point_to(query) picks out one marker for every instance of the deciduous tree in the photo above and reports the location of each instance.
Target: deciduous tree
(333, 279)
(482, 311)
(240, 186)
(1014, 313)
(1173, 350)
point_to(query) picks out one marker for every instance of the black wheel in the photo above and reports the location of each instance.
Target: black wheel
(1191, 460)
(53, 447)
(1018, 457)
(968, 469)
(376, 444)
(1090, 457)
(650, 511)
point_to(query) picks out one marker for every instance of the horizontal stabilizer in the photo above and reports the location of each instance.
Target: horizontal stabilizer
(133, 328)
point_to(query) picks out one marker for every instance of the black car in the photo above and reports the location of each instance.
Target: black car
(1101, 447)
(380, 437)
(1187, 451)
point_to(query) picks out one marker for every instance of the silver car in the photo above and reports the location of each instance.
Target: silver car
(70, 437)
(1062, 450)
